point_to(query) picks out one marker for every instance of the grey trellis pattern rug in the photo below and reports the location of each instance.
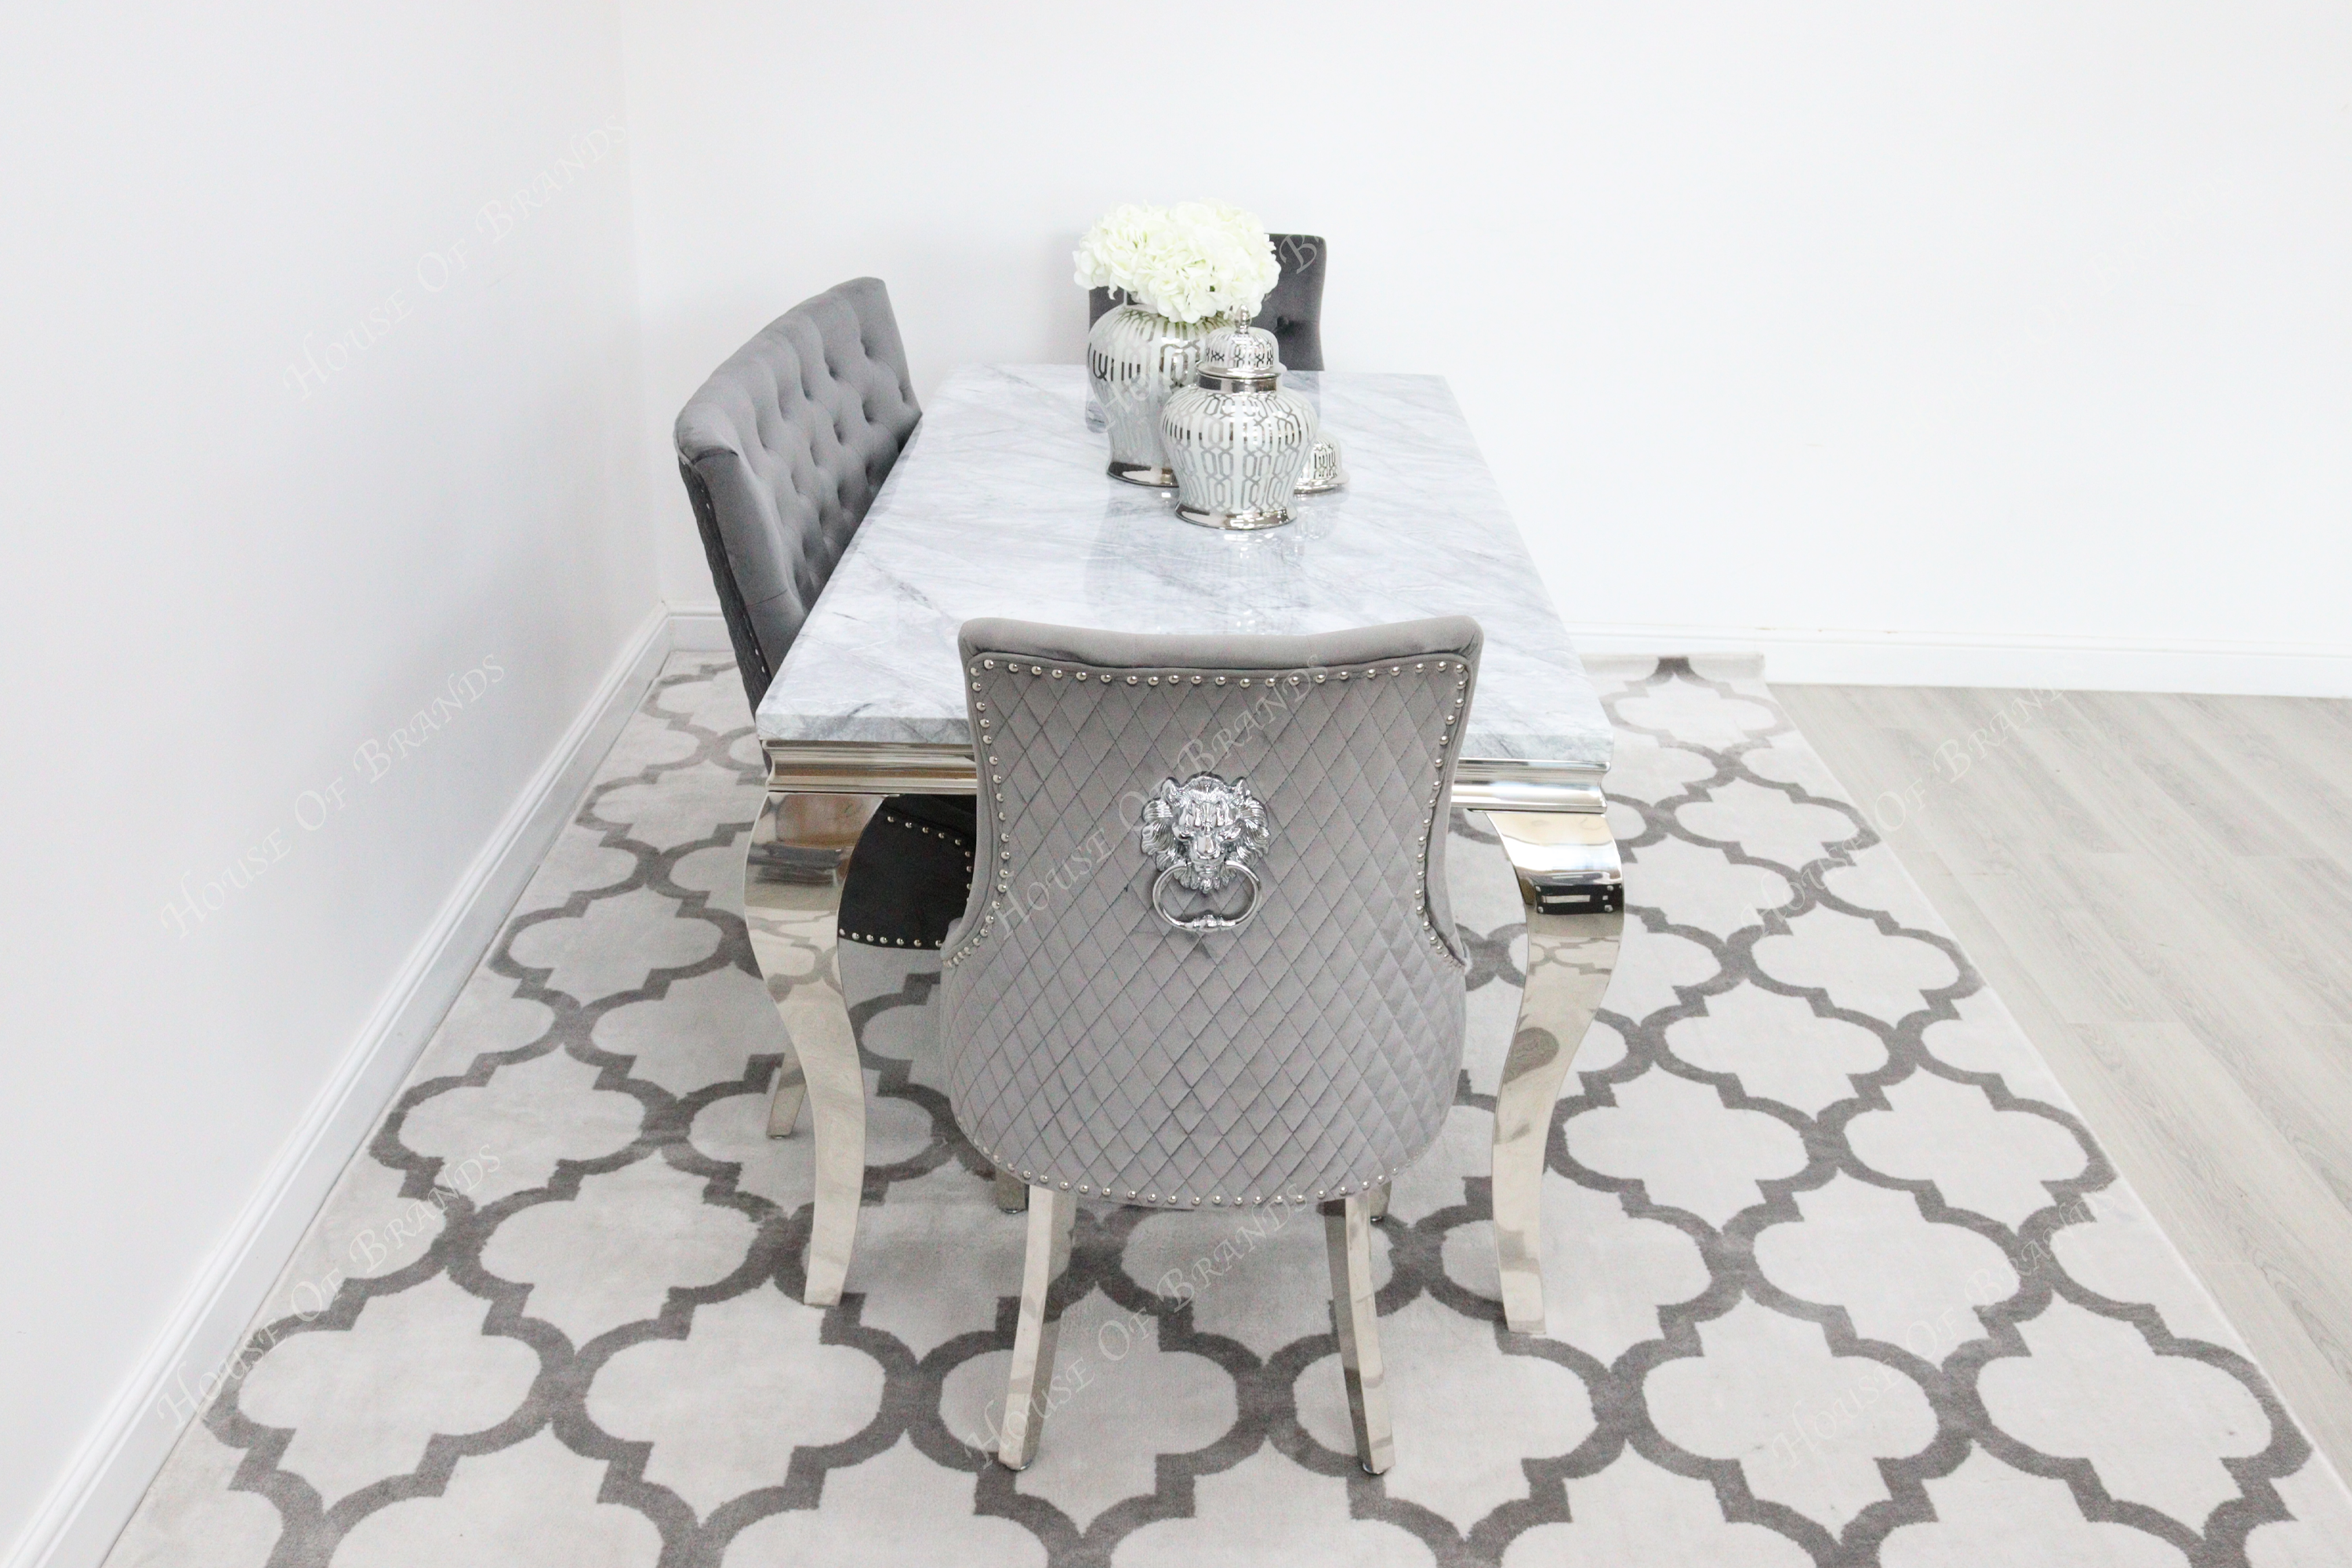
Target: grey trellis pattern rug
(1838, 1275)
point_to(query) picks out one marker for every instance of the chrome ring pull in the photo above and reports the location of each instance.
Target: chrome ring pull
(1202, 832)
(1208, 919)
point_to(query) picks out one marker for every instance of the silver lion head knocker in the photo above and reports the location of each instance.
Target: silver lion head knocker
(1202, 833)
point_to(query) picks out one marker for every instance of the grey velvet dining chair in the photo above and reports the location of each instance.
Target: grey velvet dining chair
(783, 450)
(1253, 998)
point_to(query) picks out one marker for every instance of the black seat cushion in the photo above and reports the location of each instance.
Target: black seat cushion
(910, 873)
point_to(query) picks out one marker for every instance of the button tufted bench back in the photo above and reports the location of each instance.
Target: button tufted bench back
(782, 451)
(1292, 312)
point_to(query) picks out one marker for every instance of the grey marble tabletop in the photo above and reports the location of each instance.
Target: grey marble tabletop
(1000, 505)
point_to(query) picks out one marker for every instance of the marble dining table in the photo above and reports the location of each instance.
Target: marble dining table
(1001, 505)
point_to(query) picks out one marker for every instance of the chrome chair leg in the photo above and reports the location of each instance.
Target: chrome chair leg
(784, 1101)
(1376, 1202)
(1051, 1215)
(1012, 1192)
(1348, 1237)
(1570, 956)
(792, 872)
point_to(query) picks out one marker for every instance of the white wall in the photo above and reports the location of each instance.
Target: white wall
(224, 582)
(2002, 341)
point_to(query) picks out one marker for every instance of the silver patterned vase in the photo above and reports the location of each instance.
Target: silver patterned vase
(1135, 358)
(1237, 438)
(1322, 473)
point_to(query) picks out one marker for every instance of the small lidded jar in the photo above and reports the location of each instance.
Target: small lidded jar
(1236, 438)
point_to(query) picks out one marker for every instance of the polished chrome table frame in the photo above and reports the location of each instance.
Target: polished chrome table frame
(1549, 816)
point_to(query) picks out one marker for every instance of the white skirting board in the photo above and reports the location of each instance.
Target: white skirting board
(1838, 657)
(697, 628)
(78, 1523)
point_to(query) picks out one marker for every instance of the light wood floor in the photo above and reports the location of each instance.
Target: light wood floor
(2162, 889)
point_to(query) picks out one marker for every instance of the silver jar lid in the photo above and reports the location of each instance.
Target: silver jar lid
(1241, 359)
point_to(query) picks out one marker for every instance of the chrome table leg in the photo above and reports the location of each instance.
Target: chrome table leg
(1051, 1215)
(1347, 1237)
(1574, 893)
(792, 872)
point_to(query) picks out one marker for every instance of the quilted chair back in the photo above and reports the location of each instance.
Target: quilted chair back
(782, 451)
(1306, 1052)
(1292, 312)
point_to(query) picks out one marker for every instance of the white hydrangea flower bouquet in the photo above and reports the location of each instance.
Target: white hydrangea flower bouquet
(1189, 262)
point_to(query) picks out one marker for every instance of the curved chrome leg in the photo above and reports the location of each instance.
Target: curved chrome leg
(1347, 1237)
(1574, 893)
(1012, 1192)
(1051, 1215)
(792, 895)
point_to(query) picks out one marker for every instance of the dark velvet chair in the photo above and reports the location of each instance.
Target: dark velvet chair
(783, 450)
(1292, 312)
